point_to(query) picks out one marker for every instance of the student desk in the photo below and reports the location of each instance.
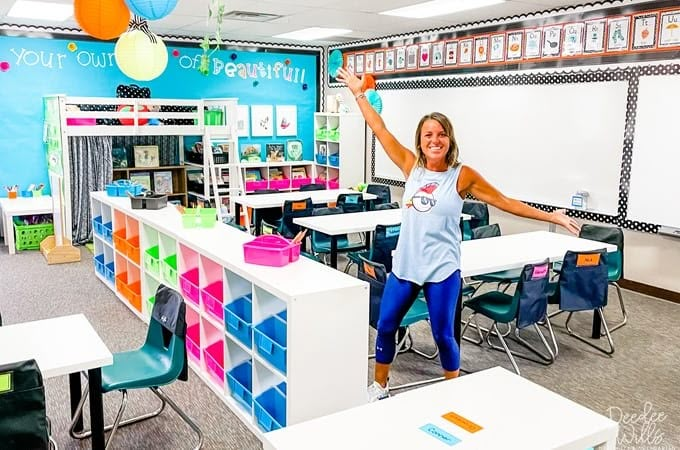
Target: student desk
(256, 201)
(362, 222)
(21, 206)
(531, 418)
(63, 346)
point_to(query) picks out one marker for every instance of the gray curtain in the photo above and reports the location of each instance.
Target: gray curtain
(91, 170)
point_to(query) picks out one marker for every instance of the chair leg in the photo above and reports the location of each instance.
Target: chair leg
(505, 346)
(587, 341)
(165, 399)
(543, 358)
(472, 318)
(623, 309)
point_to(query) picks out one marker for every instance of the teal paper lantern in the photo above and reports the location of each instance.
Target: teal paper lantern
(334, 62)
(151, 9)
(374, 99)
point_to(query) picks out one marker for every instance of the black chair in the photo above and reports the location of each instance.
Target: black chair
(480, 217)
(23, 418)
(610, 235)
(383, 193)
(582, 286)
(351, 203)
(392, 205)
(503, 277)
(291, 210)
(271, 215)
(312, 187)
(526, 308)
(385, 238)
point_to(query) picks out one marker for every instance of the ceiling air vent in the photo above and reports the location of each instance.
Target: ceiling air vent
(250, 16)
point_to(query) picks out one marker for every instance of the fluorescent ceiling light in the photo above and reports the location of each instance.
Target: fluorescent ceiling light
(313, 33)
(439, 8)
(57, 12)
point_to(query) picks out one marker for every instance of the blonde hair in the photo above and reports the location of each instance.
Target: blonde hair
(452, 154)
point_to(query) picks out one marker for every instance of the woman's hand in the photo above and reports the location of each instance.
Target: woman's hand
(351, 81)
(561, 218)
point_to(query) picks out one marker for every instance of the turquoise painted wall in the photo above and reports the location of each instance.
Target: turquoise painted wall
(33, 67)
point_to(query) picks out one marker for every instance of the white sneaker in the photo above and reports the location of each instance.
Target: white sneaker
(377, 392)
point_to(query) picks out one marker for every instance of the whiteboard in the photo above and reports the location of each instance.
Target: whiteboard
(537, 143)
(654, 194)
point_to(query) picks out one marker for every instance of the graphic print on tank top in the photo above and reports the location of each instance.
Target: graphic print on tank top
(423, 200)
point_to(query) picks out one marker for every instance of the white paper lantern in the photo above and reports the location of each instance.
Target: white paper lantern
(138, 57)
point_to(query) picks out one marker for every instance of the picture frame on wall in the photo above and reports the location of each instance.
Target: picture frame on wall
(250, 152)
(465, 47)
(532, 43)
(412, 57)
(360, 63)
(424, 52)
(437, 54)
(514, 45)
(379, 61)
(243, 121)
(552, 41)
(497, 48)
(370, 61)
(275, 152)
(350, 63)
(401, 58)
(142, 178)
(593, 39)
(262, 120)
(644, 31)
(451, 49)
(481, 49)
(572, 41)
(617, 33)
(286, 120)
(146, 155)
(669, 29)
(162, 182)
(389, 60)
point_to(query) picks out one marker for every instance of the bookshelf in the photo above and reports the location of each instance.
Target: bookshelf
(178, 179)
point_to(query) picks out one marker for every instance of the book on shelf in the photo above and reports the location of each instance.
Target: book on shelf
(250, 153)
(120, 160)
(143, 178)
(298, 172)
(275, 152)
(253, 175)
(162, 182)
(294, 150)
(275, 174)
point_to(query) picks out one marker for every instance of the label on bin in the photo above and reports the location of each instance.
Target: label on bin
(5, 382)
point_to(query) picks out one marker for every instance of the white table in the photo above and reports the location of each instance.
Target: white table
(21, 206)
(513, 412)
(259, 201)
(361, 222)
(62, 346)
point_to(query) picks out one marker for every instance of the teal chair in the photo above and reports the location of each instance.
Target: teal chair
(385, 238)
(527, 307)
(321, 242)
(375, 275)
(160, 361)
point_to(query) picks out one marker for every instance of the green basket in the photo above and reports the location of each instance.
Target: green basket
(29, 237)
(169, 270)
(151, 261)
(199, 218)
(213, 117)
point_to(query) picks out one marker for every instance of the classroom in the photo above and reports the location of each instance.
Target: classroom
(245, 211)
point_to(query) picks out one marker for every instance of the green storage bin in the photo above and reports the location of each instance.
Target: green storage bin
(151, 261)
(199, 218)
(213, 117)
(169, 270)
(29, 237)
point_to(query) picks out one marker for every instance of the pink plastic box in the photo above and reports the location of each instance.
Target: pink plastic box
(270, 250)
(81, 121)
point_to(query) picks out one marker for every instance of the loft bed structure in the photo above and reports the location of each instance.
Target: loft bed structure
(72, 124)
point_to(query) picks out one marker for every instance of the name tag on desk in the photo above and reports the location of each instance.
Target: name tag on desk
(438, 433)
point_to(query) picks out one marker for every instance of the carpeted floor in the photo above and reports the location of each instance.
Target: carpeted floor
(641, 378)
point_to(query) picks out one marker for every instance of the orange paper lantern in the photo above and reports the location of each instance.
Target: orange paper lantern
(102, 19)
(369, 83)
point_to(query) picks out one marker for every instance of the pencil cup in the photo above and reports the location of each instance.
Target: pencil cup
(12, 194)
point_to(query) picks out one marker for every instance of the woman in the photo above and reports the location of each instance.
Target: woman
(428, 253)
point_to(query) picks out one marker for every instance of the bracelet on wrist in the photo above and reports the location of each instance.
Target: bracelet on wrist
(362, 95)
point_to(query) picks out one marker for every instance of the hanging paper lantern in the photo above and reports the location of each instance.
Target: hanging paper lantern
(151, 9)
(369, 83)
(138, 57)
(334, 62)
(374, 99)
(102, 19)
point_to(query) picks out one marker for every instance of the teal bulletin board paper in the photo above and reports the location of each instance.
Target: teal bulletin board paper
(35, 67)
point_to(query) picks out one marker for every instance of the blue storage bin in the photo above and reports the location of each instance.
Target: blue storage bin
(98, 226)
(107, 232)
(334, 159)
(282, 387)
(283, 315)
(320, 159)
(110, 272)
(270, 409)
(238, 318)
(121, 188)
(240, 383)
(270, 339)
(99, 265)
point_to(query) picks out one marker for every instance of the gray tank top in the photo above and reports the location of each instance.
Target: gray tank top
(429, 242)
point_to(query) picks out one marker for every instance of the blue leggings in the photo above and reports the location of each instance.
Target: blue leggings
(441, 297)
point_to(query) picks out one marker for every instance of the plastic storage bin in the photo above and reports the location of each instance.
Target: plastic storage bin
(121, 188)
(240, 383)
(132, 249)
(169, 270)
(99, 265)
(188, 283)
(151, 261)
(214, 362)
(321, 158)
(150, 201)
(271, 250)
(334, 160)
(110, 272)
(270, 340)
(194, 343)
(98, 226)
(238, 319)
(270, 409)
(29, 237)
(212, 296)
(199, 218)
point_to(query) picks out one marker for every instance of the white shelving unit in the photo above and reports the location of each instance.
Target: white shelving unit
(326, 312)
(339, 141)
(290, 181)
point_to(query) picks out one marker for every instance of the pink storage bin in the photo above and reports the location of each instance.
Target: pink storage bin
(279, 184)
(270, 250)
(194, 343)
(188, 283)
(81, 121)
(253, 185)
(297, 182)
(212, 300)
(214, 361)
(334, 184)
